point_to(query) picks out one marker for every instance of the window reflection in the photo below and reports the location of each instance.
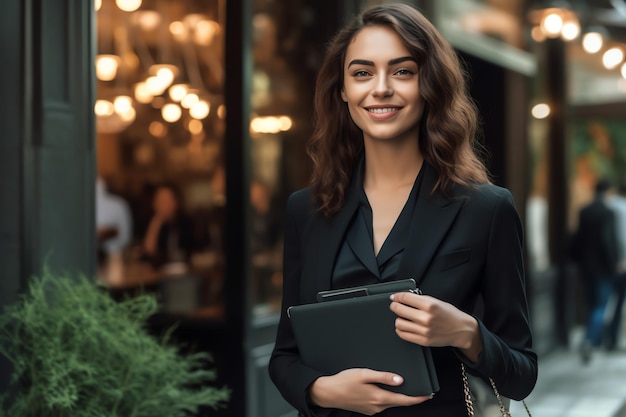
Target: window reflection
(285, 59)
(160, 130)
(499, 19)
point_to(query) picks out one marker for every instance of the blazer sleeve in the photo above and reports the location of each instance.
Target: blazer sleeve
(289, 374)
(507, 355)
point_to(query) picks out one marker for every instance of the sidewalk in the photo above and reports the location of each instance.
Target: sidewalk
(567, 388)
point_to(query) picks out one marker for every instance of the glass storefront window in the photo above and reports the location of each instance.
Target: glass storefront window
(286, 53)
(160, 130)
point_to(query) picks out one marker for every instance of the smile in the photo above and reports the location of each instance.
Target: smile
(383, 110)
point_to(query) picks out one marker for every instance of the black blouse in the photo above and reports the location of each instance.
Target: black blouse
(356, 262)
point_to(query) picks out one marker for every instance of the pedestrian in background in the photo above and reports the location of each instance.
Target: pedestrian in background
(596, 250)
(618, 204)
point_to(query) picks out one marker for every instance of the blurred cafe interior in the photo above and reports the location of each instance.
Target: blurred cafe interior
(171, 133)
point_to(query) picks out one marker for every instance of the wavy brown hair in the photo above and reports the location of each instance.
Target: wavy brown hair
(448, 127)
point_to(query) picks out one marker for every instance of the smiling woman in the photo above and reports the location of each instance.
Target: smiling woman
(397, 191)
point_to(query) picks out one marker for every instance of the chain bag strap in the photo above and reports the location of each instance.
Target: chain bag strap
(468, 397)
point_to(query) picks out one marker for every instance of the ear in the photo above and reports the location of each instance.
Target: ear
(343, 95)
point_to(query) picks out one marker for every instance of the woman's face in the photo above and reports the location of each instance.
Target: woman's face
(381, 86)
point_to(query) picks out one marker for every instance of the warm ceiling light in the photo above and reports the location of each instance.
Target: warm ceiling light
(221, 111)
(97, 4)
(106, 67)
(128, 5)
(122, 104)
(205, 31)
(156, 85)
(103, 108)
(592, 42)
(537, 34)
(195, 126)
(570, 31)
(623, 70)
(200, 110)
(540, 111)
(552, 24)
(189, 100)
(146, 19)
(142, 93)
(128, 115)
(171, 112)
(179, 31)
(165, 72)
(157, 129)
(178, 92)
(612, 58)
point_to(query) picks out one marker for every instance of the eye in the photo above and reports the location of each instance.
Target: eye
(404, 71)
(360, 73)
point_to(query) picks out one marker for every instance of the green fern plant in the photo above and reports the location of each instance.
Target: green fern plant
(77, 352)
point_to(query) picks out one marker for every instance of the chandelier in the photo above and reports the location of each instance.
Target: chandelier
(162, 59)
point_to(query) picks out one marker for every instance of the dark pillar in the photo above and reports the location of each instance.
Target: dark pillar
(47, 168)
(558, 196)
(237, 157)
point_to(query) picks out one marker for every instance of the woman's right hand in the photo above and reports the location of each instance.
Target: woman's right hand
(356, 390)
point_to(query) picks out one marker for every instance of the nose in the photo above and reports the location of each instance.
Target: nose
(382, 88)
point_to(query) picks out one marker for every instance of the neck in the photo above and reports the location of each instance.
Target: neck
(391, 166)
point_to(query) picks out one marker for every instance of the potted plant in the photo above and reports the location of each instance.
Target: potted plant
(77, 352)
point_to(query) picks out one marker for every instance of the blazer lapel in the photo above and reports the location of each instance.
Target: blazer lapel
(433, 216)
(329, 233)
(361, 244)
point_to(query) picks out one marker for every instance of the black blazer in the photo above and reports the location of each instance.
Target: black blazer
(460, 248)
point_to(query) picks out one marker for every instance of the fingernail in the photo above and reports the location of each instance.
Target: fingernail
(432, 395)
(397, 379)
(391, 297)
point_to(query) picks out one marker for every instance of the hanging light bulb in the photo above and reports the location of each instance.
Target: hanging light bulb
(128, 5)
(570, 30)
(612, 58)
(103, 108)
(594, 38)
(178, 91)
(552, 23)
(171, 112)
(189, 100)
(540, 111)
(200, 110)
(592, 42)
(97, 4)
(122, 104)
(164, 72)
(107, 66)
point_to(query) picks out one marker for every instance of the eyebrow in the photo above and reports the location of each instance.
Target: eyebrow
(391, 62)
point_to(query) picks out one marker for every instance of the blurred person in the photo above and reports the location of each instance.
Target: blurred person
(618, 204)
(398, 191)
(596, 250)
(168, 238)
(114, 226)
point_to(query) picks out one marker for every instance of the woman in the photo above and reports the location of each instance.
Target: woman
(398, 192)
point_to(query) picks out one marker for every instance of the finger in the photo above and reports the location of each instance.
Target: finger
(413, 300)
(410, 326)
(409, 313)
(381, 377)
(413, 337)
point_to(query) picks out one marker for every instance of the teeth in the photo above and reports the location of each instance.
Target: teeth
(383, 110)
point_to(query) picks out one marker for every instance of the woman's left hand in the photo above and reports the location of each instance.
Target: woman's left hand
(428, 321)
